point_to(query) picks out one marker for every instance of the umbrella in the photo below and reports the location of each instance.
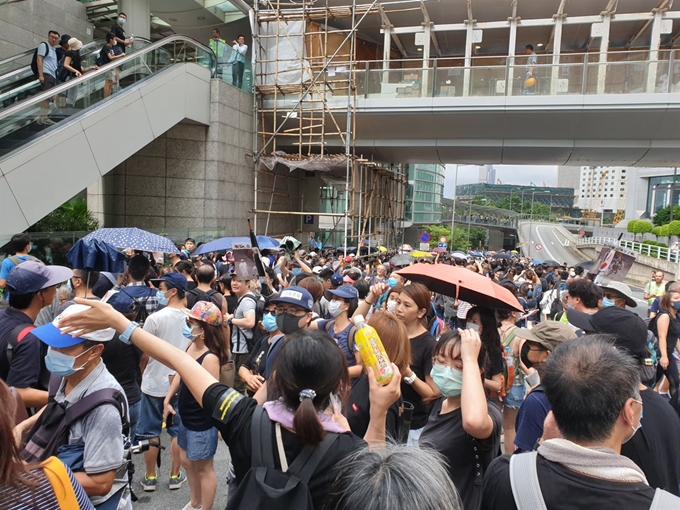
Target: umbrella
(406, 247)
(461, 283)
(586, 264)
(382, 249)
(227, 243)
(420, 254)
(458, 255)
(476, 254)
(290, 244)
(505, 256)
(403, 259)
(536, 262)
(552, 263)
(134, 238)
(438, 250)
(94, 255)
(515, 252)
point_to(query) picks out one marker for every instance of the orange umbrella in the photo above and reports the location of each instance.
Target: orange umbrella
(461, 283)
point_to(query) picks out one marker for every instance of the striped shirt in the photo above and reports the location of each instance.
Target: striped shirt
(42, 497)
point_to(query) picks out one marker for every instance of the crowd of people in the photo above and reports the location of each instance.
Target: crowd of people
(566, 400)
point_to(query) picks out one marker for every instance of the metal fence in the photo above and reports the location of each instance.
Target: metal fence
(658, 252)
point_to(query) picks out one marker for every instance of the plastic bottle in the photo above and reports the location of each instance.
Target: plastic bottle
(372, 351)
(511, 366)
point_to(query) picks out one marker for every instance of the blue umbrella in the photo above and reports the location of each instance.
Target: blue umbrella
(134, 238)
(227, 243)
(476, 254)
(94, 255)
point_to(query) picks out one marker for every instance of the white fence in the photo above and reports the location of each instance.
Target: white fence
(644, 249)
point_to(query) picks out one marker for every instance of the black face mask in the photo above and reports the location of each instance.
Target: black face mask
(288, 324)
(524, 355)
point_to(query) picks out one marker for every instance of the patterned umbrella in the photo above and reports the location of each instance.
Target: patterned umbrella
(134, 238)
(227, 243)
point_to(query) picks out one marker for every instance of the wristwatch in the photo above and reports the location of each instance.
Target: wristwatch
(125, 337)
(410, 380)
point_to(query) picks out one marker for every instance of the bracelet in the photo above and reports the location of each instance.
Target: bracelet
(410, 380)
(125, 336)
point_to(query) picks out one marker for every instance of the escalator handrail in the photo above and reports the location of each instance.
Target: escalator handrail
(95, 48)
(16, 57)
(46, 95)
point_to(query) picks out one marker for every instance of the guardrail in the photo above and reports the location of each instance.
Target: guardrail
(658, 252)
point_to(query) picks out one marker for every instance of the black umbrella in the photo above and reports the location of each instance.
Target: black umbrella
(403, 259)
(504, 256)
(551, 263)
(95, 255)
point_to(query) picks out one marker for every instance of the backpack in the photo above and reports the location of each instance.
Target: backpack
(52, 428)
(34, 60)
(266, 487)
(350, 336)
(212, 296)
(16, 336)
(142, 313)
(15, 260)
(556, 304)
(62, 73)
(526, 489)
(259, 313)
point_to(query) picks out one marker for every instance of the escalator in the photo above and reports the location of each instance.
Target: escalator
(111, 113)
(17, 81)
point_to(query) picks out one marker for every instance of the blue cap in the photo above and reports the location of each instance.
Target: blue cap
(336, 280)
(295, 296)
(121, 302)
(32, 276)
(51, 335)
(172, 280)
(344, 292)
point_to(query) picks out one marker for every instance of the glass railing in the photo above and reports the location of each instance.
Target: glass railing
(33, 117)
(624, 72)
(19, 83)
(234, 68)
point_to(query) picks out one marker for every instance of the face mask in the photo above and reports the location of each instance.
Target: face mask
(608, 302)
(449, 380)
(530, 294)
(297, 271)
(524, 356)
(391, 306)
(334, 308)
(162, 300)
(121, 21)
(569, 307)
(635, 429)
(572, 274)
(269, 322)
(188, 331)
(391, 282)
(676, 305)
(115, 42)
(61, 364)
(288, 324)
(472, 326)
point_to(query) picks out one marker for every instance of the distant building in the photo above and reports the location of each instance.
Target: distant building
(556, 197)
(424, 194)
(650, 189)
(487, 174)
(602, 189)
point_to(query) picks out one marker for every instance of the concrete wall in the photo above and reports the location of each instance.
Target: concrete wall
(193, 176)
(24, 24)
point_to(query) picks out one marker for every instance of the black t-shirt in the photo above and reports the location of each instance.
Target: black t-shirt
(118, 31)
(232, 302)
(232, 415)
(564, 489)
(27, 369)
(105, 53)
(122, 361)
(655, 448)
(76, 61)
(467, 458)
(422, 347)
(257, 359)
(359, 409)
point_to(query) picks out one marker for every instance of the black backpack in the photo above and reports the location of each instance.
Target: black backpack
(257, 333)
(556, 305)
(34, 60)
(212, 296)
(142, 313)
(52, 428)
(266, 487)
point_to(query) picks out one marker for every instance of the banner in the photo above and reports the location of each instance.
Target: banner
(613, 263)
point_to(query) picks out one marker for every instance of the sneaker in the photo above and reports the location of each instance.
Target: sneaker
(149, 483)
(189, 507)
(46, 121)
(177, 481)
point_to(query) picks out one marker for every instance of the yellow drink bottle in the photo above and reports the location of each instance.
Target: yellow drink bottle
(372, 351)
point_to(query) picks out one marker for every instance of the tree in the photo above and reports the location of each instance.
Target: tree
(73, 215)
(663, 215)
(633, 228)
(656, 231)
(644, 226)
(664, 231)
(674, 228)
(437, 231)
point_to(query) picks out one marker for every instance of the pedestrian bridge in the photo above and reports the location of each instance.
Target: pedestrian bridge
(618, 108)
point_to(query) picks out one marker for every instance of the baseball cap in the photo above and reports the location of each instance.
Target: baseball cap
(344, 292)
(317, 269)
(348, 259)
(64, 39)
(172, 280)
(32, 276)
(549, 334)
(51, 335)
(336, 280)
(629, 329)
(622, 289)
(581, 320)
(120, 301)
(205, 312)
(295, 296)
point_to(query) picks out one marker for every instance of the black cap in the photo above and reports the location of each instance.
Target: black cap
(64, 39)
(629, 329)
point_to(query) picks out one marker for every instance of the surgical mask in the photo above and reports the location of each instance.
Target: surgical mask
(676, 305)
(610, 302)
(188, 331)
(334, 308)
(61, 364)
(635, 429)
(391, 306)
(572, 274)
(269, 322)
(448, 380)
(391, 282)
(121, 21)
(472, 326)
(296, 271)
(288, 324)
(530, 294)
(162, 300)
(115, 42)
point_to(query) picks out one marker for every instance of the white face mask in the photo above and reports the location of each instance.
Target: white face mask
(334, 308)
(391, 306)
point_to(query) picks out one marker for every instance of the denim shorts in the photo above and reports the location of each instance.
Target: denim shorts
(199, 444)
(515, 396)
(150, 422)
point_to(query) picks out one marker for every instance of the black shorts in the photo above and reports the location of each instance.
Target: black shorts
(49, 82)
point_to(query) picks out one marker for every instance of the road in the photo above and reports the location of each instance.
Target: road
(551, 238)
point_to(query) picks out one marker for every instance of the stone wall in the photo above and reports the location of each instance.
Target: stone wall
(25, 24)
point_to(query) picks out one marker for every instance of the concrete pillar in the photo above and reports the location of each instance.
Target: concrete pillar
(138, 17)
(604, 48)
(557, 46)
(387, 47)
(425, 86)
(512, 43)
(654, 51)
(468, 58)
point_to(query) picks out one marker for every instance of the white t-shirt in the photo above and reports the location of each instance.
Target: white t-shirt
(167, 325)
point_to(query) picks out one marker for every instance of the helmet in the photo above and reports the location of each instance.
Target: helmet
(530, 82)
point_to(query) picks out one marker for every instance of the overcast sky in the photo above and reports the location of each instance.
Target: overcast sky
(508, 174)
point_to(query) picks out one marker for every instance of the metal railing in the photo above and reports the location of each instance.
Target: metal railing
(658, 252)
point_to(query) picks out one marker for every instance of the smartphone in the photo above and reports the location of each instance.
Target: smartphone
(168, 421)
(335, 402)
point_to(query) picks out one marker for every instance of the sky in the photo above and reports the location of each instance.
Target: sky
(508, 174)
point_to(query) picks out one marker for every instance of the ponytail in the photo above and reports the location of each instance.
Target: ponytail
(306, 422)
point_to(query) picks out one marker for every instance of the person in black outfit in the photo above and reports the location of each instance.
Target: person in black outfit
(253, 370)
(304, 391)
(119, 32)
(666, 327)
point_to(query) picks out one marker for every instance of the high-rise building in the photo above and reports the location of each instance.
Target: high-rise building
(487, 174)
(602, 189)
(424, 194)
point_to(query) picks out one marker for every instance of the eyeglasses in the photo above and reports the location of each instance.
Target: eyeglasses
(270, 312)
(293, 312)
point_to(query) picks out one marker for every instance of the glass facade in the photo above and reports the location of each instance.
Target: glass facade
(659, 193)
(424, 194)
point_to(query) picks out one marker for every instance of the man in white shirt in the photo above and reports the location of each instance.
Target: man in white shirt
(167, 324)
(238, 60)
(530, 78)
